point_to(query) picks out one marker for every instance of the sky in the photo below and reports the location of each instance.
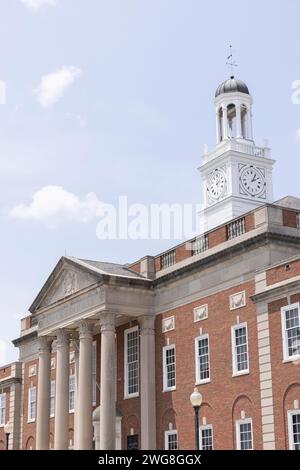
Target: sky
(109, 98)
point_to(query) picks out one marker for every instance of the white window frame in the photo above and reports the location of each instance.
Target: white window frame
(238, 433)
(94, 372)
(203, 428)
(197, 363)
(291, 413)
(2, 407)
(52, 397)
(73, 378)
(165, 374)
(30, 418)
(126, 333)
(235, 371)
(169, 433)
(285, 309)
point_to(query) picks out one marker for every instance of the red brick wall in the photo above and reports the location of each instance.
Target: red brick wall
(283, 272)
(289, 218)
(136, 267)
(250, 223)
(183, 252)
(217, 236)
(286, 376)
(224, 396)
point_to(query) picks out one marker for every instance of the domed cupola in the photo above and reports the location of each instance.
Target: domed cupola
(232, 85)
(233, 111)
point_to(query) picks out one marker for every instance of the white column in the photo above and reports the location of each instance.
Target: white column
(61, 430)
(225, 123)
(250, 130)
(85, 387)
(147, 374)
(43, 394)
(107, 382)
(218, 130)
(75, 344)
(238, 121)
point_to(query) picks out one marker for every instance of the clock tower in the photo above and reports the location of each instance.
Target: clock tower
(236, 175)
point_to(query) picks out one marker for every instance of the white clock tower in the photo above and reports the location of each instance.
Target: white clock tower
(237, 175)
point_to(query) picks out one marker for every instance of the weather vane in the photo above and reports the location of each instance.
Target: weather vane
(230, 60)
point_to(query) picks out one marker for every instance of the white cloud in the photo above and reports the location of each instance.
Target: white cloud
(3, 350)
(298, 133)
(37, 4)
(53, 205)
(53, 85)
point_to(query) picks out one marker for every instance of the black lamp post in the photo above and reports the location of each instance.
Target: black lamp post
(196, 400)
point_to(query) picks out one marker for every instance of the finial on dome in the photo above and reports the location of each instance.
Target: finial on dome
(230, 61)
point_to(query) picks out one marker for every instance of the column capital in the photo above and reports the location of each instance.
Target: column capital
(86, 329)
(107, 321)
(147, 324)
(62, 338)
(44, 344)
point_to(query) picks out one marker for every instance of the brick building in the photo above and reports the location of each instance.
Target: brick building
(220, 312)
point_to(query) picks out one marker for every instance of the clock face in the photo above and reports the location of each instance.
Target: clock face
(252, 181)
(217, 185)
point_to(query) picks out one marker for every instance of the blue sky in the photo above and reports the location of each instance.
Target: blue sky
(116, 98)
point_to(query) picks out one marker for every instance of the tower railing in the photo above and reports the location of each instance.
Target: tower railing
(241, 147)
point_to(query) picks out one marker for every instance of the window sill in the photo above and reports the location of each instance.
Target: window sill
(133, 395)
(239, 374)
(31, 421)
(71, 412)
(2, 425)
(291, 359)
(202, 382)
(172, 389)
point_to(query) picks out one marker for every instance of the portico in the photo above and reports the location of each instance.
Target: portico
(87, 310)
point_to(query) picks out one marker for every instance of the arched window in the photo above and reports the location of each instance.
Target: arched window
(244, 121)
(30, 444)
(220, 125)
(231, 119)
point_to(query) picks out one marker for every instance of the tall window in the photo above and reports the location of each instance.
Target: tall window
(31, 403)
(294, 429)
(52, 398)
(244, 434)
(202, 359)
(131, 354)
(171, 440)
(169, 367)
(240, 349)
(94, 372)
(2, 409)
(71, 393)
(206, 437)
(290, 320)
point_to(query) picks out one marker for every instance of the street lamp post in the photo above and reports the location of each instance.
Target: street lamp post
(7, 431)
(196, 400)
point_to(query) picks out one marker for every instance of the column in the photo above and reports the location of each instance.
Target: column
(250, 130)
(238, 121)
(61, 432)
(225, 123)
(84, 407)
(218, 130)
(43, 394)
(147, 374)
(107, 382)
(75, 344)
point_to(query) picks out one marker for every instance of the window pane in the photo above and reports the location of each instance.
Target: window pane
(246, 436)
(206, 439)
(203, 359)
(296, 430)
(172, 441)
(292, 331)
(170, 368)
(133, 362)
(241, 349)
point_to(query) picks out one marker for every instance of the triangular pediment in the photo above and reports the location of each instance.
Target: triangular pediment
(65, 280)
